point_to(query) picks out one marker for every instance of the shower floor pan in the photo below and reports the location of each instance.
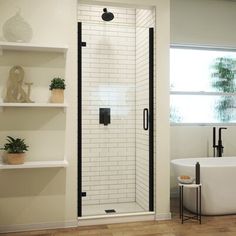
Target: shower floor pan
(104, 209)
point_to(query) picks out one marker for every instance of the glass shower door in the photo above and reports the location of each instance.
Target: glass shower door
(115, 162)
(144, 117)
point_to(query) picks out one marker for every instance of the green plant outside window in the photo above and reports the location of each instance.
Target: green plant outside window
(203, 87)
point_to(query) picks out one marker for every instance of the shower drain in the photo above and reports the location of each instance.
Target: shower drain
(110, 211)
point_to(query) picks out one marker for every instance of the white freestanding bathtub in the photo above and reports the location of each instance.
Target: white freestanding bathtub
(218, 178)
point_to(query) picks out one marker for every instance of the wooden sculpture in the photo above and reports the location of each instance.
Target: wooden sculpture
(15, 92)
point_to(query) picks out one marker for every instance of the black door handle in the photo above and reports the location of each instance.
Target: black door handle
(145, 119)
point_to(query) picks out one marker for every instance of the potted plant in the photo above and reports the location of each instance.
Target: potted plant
(15, 150)
(57, 86)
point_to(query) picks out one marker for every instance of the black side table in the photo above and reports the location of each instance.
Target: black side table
(198, 214)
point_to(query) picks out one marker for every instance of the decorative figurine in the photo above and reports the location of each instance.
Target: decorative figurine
(15, 92)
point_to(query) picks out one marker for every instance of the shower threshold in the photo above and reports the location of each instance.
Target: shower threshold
(116, 218)
(111, 208)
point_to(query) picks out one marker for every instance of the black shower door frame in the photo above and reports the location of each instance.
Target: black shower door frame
(150, 118)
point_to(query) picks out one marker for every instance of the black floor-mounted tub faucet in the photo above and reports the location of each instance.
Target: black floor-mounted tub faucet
(218, 149)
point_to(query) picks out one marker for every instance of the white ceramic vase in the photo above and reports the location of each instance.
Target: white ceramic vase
(16, 29)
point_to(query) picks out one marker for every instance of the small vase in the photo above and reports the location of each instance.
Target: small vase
(15, 158)
(16, 29)
(57, 96)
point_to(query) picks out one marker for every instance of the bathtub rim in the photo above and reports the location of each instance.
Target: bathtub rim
(214, 161)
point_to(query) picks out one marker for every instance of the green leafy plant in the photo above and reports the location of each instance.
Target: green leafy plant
(57, 83)
(15, 145)
(224, 73)
(225, 109)
(175, 116)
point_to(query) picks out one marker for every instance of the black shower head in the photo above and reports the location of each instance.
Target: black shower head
(107, 16)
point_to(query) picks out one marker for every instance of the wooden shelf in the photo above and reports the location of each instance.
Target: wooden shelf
(32, 47)
(50, 105)
(35, 164)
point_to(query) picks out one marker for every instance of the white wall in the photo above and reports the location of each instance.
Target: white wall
(204, 22)
(207, 22)
(43, 196)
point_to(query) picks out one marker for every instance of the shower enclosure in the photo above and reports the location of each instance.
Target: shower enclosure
(115, 110)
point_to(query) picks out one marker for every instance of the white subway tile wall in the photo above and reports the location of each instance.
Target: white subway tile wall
(114, 163)
(145, 18)
(108, 82)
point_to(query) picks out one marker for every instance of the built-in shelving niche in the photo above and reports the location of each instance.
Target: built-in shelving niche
(35, 50)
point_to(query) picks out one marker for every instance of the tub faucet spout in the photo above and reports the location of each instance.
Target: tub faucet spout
(219, 147)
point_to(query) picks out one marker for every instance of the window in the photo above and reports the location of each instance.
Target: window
(202, 85)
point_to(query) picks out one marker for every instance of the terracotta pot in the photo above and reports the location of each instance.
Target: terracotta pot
(15, 158)
(57, 96)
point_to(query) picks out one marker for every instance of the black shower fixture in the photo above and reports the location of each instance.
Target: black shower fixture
(107, 16)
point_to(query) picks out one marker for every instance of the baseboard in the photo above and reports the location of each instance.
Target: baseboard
(163, 216)
(112, 219)
(40, 226)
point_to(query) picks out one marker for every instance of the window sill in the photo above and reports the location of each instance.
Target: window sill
(202, 124)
